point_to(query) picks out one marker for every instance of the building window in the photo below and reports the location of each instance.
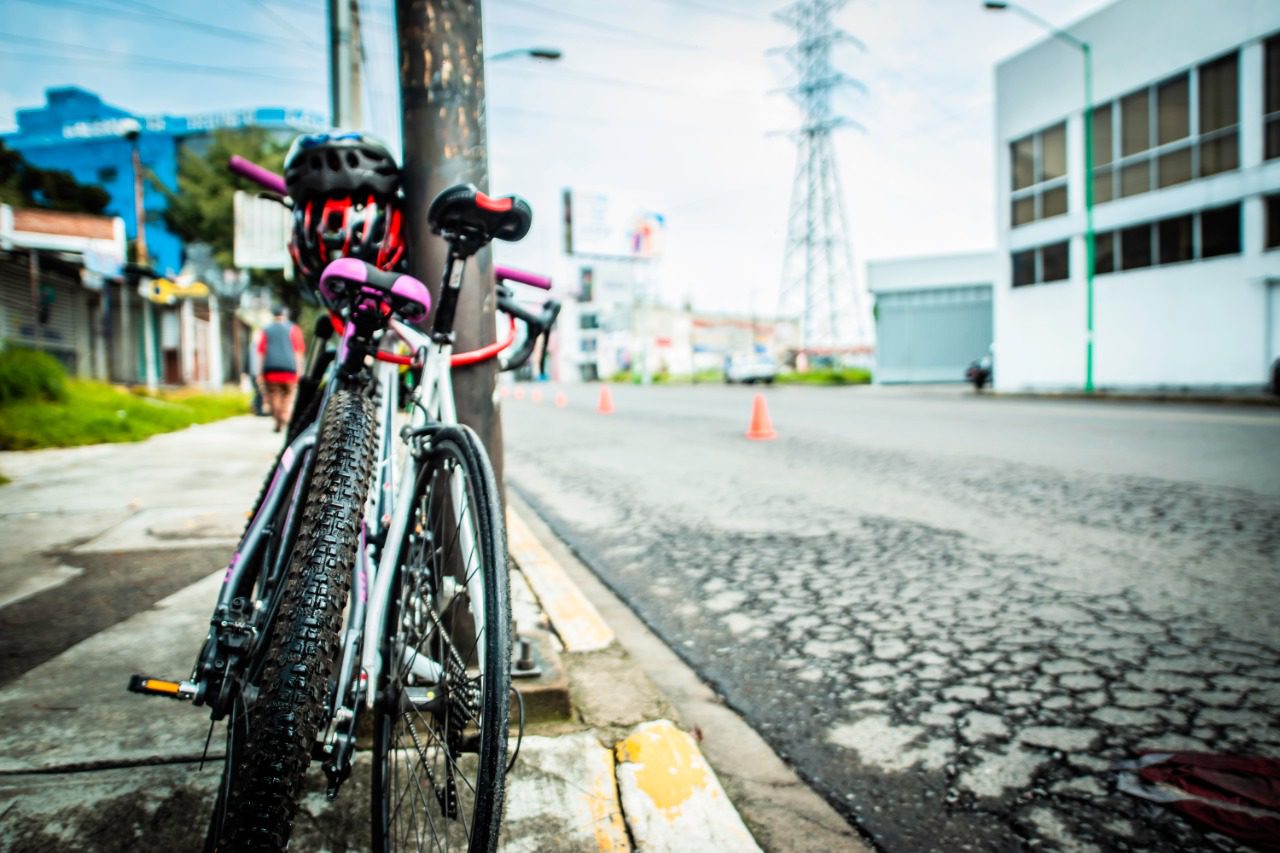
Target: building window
(1174, 240)
(107, 174)
(1054, 263)
(1024, 268)
(1181, 128)
(1104, 253)
(1271, 98)
(1273, 221)
(1135, 247)
(1174, 237)
(1220, 231)
(1219, 115)
(588, 321)
(1042, 265)
(1039, 167)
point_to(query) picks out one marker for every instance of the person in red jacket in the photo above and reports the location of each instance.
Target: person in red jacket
(281, 350)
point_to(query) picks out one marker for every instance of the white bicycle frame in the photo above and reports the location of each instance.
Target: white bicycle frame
(436, 405)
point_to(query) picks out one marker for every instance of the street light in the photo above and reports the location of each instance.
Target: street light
(545, 54)
(1087, 52)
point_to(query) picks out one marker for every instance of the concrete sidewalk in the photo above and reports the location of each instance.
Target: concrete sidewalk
(619, 753)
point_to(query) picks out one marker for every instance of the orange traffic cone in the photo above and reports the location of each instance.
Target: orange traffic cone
(519, 393)
(505, 392)
(605, 406)
(561, 400)
(535, 395)
(761, 428)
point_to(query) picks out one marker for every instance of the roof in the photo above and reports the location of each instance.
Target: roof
(63, 223)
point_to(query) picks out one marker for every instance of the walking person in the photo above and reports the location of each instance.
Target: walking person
(281, 349)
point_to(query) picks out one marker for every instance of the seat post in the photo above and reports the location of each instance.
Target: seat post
(450, 286)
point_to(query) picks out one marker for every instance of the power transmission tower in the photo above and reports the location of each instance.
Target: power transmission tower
(819, 287)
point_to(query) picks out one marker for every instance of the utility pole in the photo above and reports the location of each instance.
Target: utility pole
(442, 103)
(149, 371)
(344, 63)
(818, 282)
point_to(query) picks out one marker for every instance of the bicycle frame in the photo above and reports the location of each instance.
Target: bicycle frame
(436, 406)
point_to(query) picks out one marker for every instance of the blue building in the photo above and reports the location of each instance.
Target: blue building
(78, 133)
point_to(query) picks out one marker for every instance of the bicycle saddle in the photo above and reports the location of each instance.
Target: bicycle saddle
(347, 278)
(465, 210)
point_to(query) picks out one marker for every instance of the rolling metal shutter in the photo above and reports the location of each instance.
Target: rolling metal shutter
(931, 334)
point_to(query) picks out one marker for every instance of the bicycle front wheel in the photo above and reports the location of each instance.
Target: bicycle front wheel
(440, 724)
(288, 700)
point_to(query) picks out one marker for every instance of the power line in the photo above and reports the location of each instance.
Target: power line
(607, 27)
(115, 63)
(156, 16)
(285, 22)
(159, 62)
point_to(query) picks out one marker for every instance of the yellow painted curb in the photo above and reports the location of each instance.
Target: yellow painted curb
(671, 797)
(578, 624)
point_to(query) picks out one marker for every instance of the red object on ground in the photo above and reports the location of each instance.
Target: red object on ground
(561, 400)
(761, 428)
(1237, 795)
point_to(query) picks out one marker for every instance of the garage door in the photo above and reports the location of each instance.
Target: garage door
(931, 335)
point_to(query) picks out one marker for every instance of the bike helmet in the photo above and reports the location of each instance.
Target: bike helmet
(364, 227)
(338, 163)
(344, 187)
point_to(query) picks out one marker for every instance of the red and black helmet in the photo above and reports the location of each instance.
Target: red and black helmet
(345, 190)
(325, 229)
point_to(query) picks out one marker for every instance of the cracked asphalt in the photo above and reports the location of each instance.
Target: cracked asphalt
(951, 615)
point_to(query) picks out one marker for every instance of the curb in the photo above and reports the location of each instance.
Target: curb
(1259, 401)
(653, 779)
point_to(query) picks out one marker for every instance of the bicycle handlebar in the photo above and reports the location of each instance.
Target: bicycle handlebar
(263, 177)
(539, 325)
(510, 274)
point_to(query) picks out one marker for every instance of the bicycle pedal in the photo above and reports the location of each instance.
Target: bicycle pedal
(181, 690)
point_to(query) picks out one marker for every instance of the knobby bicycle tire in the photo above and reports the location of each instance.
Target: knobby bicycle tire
(415, 738)
(290, 706)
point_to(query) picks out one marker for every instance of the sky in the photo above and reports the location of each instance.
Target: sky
(674, 103)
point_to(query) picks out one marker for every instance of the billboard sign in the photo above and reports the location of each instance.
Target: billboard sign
(261, 233)
(612, 226)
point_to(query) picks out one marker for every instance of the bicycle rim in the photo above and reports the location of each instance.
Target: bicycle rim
(441, 723)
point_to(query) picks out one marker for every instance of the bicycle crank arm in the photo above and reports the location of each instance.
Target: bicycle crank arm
(181, 690)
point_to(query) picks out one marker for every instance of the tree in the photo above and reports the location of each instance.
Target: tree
(25, 185)
(202, 210)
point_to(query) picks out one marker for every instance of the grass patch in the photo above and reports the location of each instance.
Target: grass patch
(29, 375)
(94, 413)
(828, 376)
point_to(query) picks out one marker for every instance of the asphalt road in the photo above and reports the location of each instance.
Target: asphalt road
(952, 614)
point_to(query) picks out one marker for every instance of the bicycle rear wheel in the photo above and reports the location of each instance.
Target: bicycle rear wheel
(286, 705)
(440, 723)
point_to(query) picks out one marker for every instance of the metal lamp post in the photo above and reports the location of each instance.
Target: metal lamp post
(1087, 52)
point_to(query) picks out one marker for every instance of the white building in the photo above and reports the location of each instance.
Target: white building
(933, 315)
(1187, 199)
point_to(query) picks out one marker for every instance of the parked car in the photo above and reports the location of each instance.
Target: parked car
(750, 367)
(981, 372)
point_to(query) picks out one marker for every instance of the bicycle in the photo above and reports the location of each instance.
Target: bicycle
(426, 644)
